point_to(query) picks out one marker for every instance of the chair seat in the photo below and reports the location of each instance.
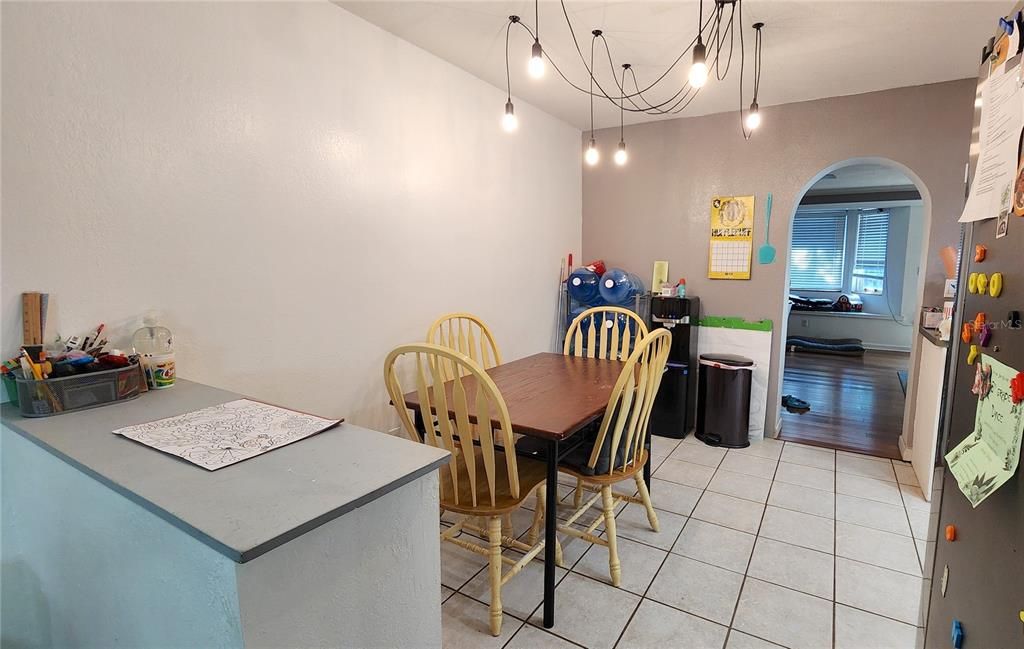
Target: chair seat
(531, 474)
(576, 465)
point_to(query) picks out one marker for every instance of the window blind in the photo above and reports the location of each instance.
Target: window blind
(818, 251)
(869, 258)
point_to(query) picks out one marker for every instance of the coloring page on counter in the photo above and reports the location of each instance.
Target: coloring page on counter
(227, 433)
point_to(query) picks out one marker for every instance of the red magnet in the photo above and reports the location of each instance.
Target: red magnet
(1017, 388)
(980, 251)
(967, 332)
(951, 533)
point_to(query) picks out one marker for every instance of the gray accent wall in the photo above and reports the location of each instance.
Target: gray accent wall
(657, 206)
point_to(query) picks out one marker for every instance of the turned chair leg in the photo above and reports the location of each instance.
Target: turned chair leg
(645, 495)
(538, 517)
(609, 525)
(577, 496)
(507, 522)
(494, 539)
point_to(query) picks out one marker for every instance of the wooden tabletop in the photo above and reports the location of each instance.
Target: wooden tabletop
(550, 396)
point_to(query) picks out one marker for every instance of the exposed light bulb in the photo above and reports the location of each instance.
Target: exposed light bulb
(620, 155)
(699, 69)
(509, 122)
(536, 65)
(592, 155)
(753, 117)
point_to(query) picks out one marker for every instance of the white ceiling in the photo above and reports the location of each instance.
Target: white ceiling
(812, 48)
(859, 177)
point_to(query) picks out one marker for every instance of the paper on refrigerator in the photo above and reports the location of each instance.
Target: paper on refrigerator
(1002, 118)
(987, 458)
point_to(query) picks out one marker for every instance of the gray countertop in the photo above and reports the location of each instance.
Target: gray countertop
(932, 336)
(242, 510)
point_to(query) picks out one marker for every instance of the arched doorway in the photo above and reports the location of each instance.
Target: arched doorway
(854, 270)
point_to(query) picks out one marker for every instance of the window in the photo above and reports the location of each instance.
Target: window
(868, 274)
(818, 253)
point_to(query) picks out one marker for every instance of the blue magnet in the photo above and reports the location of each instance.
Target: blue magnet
(1007, 26)
(958, 634)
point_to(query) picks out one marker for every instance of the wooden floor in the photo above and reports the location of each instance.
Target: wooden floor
(856, 403)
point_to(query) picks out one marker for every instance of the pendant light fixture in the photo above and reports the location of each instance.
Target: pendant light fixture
(536, 65)
(699, 69)
(592, 156)
(620, 154)
(674, 94)
(509, 121)
(753, 119)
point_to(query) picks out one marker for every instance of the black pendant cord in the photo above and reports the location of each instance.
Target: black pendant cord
(622, 113)
(592, 41)
(536, 20)
(508, 76)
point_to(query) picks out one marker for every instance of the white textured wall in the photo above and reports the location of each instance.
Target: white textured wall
(83, 566)
(296, 191)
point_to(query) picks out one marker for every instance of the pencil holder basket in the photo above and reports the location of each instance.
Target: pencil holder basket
(79, 392)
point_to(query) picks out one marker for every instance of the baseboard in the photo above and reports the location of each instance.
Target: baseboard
(880, 347)
(904, 451)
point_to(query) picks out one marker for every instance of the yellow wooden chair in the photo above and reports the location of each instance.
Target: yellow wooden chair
(624, 428)
(483, 479)
(467, 334)
(604, 332)
(609, 332)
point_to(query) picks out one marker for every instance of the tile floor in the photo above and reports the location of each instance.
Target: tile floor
(775, 545)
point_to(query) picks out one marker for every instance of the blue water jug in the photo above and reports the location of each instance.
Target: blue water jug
(583, 286)
(619, 287)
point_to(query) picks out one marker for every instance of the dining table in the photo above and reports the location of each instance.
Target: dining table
(551, 398)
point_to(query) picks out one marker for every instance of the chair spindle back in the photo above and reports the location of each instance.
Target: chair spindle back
(608, 332)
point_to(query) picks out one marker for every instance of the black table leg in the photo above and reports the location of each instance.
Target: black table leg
(418, 422)
(550, 523)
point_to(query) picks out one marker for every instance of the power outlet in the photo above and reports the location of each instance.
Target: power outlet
(803, 322)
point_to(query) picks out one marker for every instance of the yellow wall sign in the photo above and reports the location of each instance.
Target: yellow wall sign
(732, 237)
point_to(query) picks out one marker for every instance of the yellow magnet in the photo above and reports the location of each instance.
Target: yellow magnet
(982, 283)
(995, 284)
(972, 283)
(972, 355)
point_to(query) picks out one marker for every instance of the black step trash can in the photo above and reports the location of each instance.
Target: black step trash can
(723, 400)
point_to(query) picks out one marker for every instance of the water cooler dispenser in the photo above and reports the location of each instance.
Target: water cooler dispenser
(675, 408)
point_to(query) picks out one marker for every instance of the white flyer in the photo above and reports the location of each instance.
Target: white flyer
(227, 433)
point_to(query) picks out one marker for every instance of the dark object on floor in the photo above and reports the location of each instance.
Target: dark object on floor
(902, 376)
(792, 404)
(837, 346)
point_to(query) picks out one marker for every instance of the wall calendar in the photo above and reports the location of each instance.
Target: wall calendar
(732, 237)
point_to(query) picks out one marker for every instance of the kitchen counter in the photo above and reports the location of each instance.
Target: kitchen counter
(314, 544)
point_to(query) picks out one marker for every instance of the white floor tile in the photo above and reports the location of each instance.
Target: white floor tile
(699, 454)
(870, 488)
(905, 473)
(860, 630)
(632, 523)
(663, 446)
(749, 464)
(657, 625)
(803, 499)
(738, 640)
(914, 499)
(458, 565)
(720, 546)
(797, 528)
(878, 548)
(685, 473)
(701, 589)
(672, 497)
(871, 513)
(639, 564)
(740, 485)
(865, 466)
(819, 458)
(466, 623)
(888, 593)
(530, 637)
(806, 476)
(520, 595)
(590, 613)
(766, 448)
(808, 571)
(739, 514)
(792, 619)
(445, 592)
(921, 523)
